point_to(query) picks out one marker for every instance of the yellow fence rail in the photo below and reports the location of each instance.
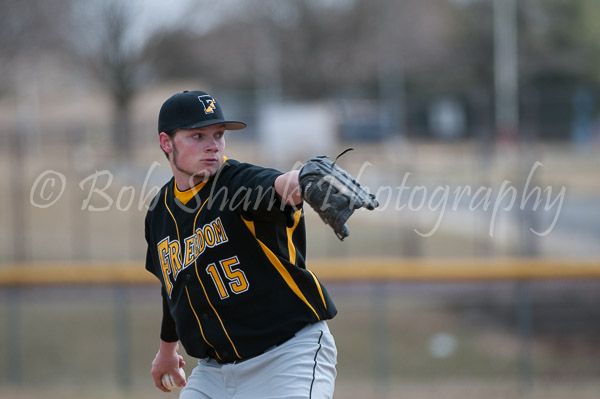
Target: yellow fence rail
(334, 269)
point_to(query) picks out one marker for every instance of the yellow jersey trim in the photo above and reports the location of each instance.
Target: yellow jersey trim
(206, 295)
(171, 213)
(319, 288)
(186, 195)
(279, 267)
(215, 310)
(200, 324)
(290, 232)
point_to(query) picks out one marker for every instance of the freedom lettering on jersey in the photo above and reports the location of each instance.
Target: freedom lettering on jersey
(175, 256)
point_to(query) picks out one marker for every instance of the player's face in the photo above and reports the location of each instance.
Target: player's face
(198, 153)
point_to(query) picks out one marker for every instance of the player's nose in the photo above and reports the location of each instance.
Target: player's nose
(212, 145)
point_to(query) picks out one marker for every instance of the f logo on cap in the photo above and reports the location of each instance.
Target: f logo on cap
(182, 111)
(209, 104)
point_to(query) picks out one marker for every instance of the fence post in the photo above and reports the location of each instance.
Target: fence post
(524, 328)
(123, 356)
(14, 370)
(381, 344)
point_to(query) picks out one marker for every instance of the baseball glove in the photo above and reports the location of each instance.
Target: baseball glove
(333, 193)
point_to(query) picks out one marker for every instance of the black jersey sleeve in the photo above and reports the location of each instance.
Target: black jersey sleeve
(149, 253)
(252, 192)
(168, 332)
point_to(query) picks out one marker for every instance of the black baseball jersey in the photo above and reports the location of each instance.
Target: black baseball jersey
(231, 259)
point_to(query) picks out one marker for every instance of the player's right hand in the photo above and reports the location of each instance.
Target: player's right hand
(167, 360)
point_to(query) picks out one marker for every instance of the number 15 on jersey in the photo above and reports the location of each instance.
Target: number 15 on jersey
(230, 280)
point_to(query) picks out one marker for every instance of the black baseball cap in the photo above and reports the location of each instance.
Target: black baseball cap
(193, 110)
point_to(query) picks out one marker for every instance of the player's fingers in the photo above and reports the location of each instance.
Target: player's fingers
(158, 384)
(179, 380)
(177, 377)
(157, 373)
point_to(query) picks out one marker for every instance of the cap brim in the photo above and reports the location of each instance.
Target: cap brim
(229, 125)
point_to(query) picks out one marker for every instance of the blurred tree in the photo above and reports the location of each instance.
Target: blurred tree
(589, 15)
(312, 48)
(108, 41)
(339, 46)
(558, 51)
(560, 31)
(550, 34)
(302, 48)
(28, 32)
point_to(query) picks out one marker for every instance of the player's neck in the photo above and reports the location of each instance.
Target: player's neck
(185, 182)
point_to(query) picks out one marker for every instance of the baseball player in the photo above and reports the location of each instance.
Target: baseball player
(227, 241)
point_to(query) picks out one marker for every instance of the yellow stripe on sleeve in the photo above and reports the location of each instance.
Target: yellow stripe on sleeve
(280, 268)
(319, 288)
(290, 233)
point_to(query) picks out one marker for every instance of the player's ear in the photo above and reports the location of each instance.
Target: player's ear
(165, 142)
